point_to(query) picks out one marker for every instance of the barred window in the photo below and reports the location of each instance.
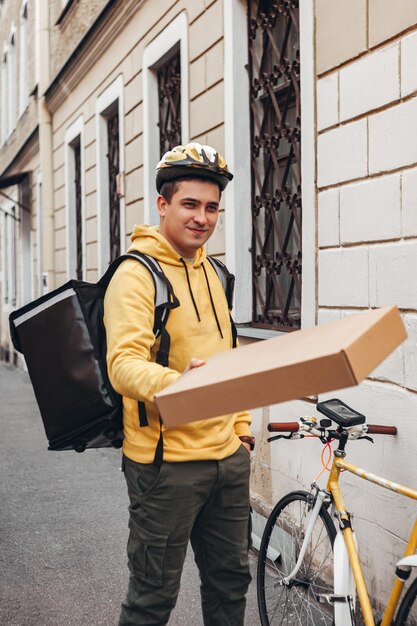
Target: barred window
(113, 145)
(76, 146)
(169, 93)
(24, 59)
(10, 235)
(274, 71)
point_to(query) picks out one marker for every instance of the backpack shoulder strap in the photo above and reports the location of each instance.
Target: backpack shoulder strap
(165, 299)
(228, 281)
(226, 278)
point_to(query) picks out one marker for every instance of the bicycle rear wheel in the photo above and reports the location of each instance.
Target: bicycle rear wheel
(407, 613)
(297, 602)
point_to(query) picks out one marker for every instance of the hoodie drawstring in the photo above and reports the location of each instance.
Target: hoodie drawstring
(211, 300)
(211, 297)
(191, 291)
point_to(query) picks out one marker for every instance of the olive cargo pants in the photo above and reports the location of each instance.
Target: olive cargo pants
(206, 502)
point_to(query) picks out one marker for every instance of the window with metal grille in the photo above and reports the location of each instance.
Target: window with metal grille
(275, 162)
(10, 234)
(114, 167)
(6, 261)
(76, 146)
(169, 92)
(13, 263)
(24, 59)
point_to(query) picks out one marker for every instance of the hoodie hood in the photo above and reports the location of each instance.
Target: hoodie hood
(147, 239)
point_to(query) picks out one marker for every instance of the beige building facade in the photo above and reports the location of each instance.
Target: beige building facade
(111, 83)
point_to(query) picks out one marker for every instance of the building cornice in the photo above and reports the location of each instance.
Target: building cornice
(106, 28)
(24, 154)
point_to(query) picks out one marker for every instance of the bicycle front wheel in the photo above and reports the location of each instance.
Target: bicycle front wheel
(407, 613)
(300, 601)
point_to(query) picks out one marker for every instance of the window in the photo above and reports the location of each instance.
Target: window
(165, 87)
(169, 95)
(76, 146)
(113, 147)
(274, 72)
(24, 59)
(110, 174)
(11, 84)
(39, 238)
(13, 259)
(24, 234)
(10, 256)
(4, 100)
(74, 199)
(6, 257)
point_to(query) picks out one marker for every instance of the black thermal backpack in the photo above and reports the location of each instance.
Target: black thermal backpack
(63, 339)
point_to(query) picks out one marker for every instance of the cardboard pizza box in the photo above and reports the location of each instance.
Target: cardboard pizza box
(314, 360)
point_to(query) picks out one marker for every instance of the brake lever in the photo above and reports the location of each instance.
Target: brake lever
(366, 437)
(290, 436)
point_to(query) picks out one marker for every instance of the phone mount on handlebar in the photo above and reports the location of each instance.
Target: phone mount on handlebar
(340, 413)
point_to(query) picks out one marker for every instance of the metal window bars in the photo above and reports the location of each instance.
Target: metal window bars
(78, 209)
(169, 91)
(114, 165)
(274, 71)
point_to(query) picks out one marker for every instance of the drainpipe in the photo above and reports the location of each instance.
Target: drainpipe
(45, 148)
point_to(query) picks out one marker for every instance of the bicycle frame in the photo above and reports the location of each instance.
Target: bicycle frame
(345, 526)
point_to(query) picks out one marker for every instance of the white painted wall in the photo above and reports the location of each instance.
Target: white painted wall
(367, 255)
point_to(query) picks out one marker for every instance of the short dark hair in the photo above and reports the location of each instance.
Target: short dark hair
(171, 186)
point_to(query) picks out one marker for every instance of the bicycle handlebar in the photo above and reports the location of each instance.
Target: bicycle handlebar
(294, 427)
(283, 427)
(377, 429)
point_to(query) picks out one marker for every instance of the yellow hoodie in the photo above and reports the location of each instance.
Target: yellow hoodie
(131, 350)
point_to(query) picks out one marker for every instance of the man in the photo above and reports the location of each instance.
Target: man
(199, 490)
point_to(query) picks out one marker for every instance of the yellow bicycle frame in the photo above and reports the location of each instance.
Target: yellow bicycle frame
(333, 488)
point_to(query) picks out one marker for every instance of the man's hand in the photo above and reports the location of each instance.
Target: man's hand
(194, 363)
(247, 446)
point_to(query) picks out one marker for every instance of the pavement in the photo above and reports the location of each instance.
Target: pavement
(63, 528)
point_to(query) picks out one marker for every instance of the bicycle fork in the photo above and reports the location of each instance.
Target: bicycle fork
(344, 582)
(320, 498)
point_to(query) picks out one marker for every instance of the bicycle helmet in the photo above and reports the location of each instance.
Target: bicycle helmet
(193, 160)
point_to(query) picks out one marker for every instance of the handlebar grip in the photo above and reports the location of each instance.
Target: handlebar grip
(376, 429)
(283, 427)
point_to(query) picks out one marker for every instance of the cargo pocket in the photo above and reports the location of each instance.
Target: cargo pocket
(146, 552)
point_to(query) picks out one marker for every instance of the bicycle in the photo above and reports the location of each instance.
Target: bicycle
(308, 568)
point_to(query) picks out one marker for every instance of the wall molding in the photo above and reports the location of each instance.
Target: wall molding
(238, 219)
(309, 283)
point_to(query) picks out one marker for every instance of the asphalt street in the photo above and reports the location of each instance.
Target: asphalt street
(63, 528)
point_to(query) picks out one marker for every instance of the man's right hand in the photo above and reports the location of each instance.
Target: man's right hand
(194, 363)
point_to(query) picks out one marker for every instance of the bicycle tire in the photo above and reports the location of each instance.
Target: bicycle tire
(407, 613)
(295, 603)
